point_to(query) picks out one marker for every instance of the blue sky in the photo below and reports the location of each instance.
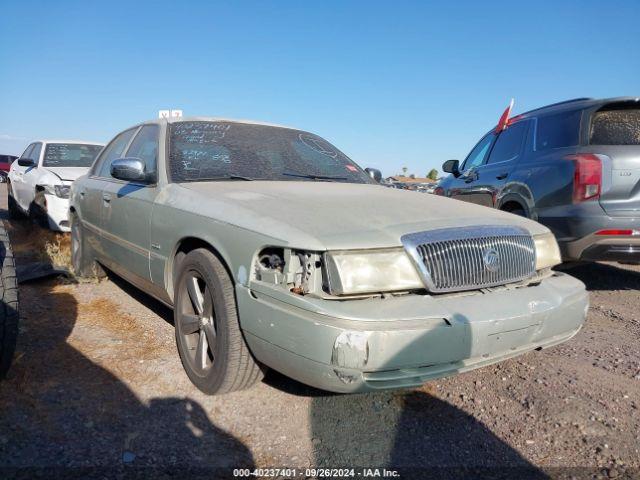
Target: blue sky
(392, 84)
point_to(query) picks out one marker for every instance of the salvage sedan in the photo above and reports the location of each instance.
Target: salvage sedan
(38, 183)
(275, 250)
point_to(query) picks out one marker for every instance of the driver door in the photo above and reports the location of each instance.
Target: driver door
(30, 178)
(462, 188)
(16, 176)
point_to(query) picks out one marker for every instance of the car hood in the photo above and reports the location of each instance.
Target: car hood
(333, 215)
(68, 173)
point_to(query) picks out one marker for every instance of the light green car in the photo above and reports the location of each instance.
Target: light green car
(275, 250)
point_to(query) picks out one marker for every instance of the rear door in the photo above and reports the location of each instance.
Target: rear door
(614, 131)
(126, 211)
(92, 189)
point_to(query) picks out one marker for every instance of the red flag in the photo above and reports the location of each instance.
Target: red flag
(504, 119)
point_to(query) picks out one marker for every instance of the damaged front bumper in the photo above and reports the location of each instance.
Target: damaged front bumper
(369, 344)
(57, 213)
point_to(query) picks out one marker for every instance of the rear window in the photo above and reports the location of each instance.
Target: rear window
(616, 127)
(558, 131)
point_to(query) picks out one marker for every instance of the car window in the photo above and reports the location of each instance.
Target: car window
(218, 150)
(509, 143)
(27, 151)
(479, 152)
(35, 153)
(111, 152)
(559, 130)
(70, 154)
(145, 147)
(616, 127)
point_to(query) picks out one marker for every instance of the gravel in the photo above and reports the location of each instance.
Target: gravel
(97, 385)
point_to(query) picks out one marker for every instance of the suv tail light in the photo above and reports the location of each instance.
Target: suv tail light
(438, 191)
(587, 177)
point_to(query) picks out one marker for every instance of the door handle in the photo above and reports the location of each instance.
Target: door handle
(106, 197)
(502, 175)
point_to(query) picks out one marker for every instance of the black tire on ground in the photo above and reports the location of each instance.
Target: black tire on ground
(38, 210)
(82, 261)
(212, 348)
(14, 211)
(9, 316)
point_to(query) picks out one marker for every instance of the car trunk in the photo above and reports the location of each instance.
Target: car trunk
(615, 132)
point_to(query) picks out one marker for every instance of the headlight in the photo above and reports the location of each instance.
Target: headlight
(370, 271)
(61, 191)
(547, 251)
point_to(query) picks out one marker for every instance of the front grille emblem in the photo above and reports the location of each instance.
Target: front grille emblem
(491, 259)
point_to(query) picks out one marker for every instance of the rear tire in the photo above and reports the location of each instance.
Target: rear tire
(517, 211)
(9, 316)
(82, 261)
(212, 348)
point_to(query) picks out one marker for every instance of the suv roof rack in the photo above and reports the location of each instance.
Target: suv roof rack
(580, 99)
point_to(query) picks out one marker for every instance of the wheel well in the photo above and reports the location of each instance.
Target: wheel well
(185, 246)
(512, 205)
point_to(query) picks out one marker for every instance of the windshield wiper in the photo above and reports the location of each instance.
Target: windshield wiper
(222, 177)
(314, 177)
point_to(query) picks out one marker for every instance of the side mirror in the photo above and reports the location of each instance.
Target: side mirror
(374, 173)
(452, 166)
(26, 162)
(130, 169)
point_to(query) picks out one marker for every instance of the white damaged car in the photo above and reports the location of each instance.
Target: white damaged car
(39, 182)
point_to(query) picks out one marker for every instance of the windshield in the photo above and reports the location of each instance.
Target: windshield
(70, 155)
(208, 151)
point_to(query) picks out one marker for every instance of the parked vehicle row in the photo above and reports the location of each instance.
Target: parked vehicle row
(275, 250)
(5, 165)
(573, 166)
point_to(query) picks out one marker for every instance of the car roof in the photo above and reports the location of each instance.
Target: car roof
(575, 104)
(161, 121)
(73, 142)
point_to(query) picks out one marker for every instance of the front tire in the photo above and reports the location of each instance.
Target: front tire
(213, 351)
(14, 211)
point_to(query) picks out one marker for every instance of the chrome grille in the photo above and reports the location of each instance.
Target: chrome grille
(454, 259)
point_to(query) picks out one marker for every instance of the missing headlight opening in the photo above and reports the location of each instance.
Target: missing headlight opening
(297, 271)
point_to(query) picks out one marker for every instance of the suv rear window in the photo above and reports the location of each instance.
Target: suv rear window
(559, 130)
(616, 127)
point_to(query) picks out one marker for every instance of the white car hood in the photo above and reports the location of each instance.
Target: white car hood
(68, 173)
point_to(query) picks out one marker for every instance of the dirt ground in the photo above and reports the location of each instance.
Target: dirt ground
(97, 388)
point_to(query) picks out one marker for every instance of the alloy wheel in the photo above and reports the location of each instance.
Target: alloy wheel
(197, 322)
